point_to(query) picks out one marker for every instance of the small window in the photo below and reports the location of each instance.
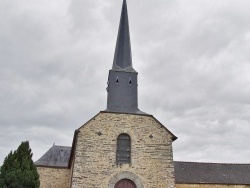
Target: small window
(123, 150)
(130, 82)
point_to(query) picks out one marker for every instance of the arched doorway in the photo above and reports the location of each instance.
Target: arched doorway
(125, 175)
(125, 183)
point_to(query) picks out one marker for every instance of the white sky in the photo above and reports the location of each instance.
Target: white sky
(192, 57)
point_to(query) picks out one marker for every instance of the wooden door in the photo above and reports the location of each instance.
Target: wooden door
(125, 184)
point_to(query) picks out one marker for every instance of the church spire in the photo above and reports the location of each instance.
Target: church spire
(123, 57)
(122, 80)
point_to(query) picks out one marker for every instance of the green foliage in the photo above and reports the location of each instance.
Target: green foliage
(18, 169)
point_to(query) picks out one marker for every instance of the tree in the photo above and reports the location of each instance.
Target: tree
(18, 169)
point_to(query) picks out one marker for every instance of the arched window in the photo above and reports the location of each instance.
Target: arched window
(123, 149)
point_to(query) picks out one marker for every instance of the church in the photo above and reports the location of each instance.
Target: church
(124, 147)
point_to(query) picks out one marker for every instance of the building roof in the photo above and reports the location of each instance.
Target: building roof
(123, 58)
(185, 172)
(56, 156)
(212, 173)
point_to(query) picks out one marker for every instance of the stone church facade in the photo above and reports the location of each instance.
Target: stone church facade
(123, 147)
(96, 162)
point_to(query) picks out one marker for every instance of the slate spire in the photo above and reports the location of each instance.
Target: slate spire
(122, 80)
(123, 57)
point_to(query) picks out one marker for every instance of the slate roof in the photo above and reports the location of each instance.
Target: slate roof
(123, 58)
(212, 173)
(56, 156)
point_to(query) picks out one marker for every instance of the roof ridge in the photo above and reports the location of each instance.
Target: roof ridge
(212, 163)
(61, 146)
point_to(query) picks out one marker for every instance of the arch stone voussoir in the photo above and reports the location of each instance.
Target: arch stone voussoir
(125, 175)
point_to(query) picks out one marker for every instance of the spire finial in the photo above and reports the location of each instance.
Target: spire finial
(123, 57)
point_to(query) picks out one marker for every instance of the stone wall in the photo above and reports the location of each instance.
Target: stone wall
(151, 152)
(210, 186)
(54, 177)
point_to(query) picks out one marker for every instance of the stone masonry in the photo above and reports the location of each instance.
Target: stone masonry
(54, 177)
(95, 153)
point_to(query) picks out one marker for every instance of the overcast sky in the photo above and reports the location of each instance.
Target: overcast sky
(192, 57)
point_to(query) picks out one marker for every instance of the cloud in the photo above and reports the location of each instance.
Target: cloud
(192, 58)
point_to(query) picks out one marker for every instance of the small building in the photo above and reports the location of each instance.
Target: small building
(124, 147)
